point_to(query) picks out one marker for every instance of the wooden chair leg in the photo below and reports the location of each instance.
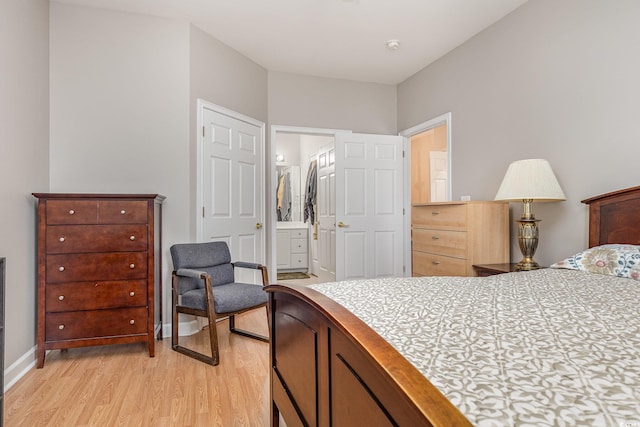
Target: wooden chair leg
(174, 314)
(213, 338)
(233, 329)
(214, 359)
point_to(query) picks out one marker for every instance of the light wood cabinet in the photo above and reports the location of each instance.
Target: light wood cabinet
(449, 237)
(98, 270)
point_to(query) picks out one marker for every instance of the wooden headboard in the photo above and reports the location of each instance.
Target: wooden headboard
(613, 217)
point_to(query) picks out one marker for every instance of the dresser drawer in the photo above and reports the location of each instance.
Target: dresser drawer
(445, 216)
(96, 323)
(426, 264)
(442, 242)
(122, 212)
(96, 238)
(98, 266)
(299, 246)
(72, 212)
(95, 295)
(298, 233)
(298, 260)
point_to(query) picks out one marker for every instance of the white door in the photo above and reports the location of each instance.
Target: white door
(438, 176)
(232, 173)
(326, 212)
(369, 206)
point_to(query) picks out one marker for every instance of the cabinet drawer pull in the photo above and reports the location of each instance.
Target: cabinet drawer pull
(71, 212)
(435, 237)
(61, 298)
(435, 213)
(132, 238)
(435, 262)
(61, 268)
(132, 293)
(61, 327)
(61, 239)
(132, 266)
(122, 212)
(132, 322)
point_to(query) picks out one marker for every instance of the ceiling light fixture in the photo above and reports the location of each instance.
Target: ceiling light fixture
(393, 44)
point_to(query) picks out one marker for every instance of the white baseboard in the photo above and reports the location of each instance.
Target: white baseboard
(19, 368)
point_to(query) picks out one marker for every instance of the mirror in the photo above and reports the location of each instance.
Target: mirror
(288, 194)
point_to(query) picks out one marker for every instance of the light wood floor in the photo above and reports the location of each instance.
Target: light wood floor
(121, 385)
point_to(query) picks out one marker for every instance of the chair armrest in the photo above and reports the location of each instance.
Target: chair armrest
(249, 265)
(187, 272)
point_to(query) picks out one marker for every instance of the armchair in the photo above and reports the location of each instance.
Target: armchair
(203, 284)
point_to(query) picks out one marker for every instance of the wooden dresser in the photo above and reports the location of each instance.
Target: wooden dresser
(449, 237)
(99, 270)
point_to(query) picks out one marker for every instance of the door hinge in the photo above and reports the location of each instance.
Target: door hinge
(403, 211)
(203, 212)
(203, 131)
(403, 154)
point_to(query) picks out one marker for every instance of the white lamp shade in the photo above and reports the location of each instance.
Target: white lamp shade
(530, 179)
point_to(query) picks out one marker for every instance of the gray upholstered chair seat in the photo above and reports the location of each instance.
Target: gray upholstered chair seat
(227, 298)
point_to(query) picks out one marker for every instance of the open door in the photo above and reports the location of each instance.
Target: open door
(369, 206)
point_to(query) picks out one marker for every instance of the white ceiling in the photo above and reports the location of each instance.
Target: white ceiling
(332, 38)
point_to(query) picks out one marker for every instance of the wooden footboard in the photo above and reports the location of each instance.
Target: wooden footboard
(329, 368)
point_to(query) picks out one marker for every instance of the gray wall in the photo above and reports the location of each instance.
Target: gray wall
(296, 100)
(221, 75)
(123, 100)
(119, 111)
(24, 162)
(554, 80)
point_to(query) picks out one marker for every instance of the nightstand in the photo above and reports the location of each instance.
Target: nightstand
(483, 270)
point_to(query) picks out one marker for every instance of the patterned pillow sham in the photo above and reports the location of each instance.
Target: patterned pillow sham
(614, 260)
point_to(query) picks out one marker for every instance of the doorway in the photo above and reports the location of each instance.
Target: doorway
(367, 228)
(422, 185)
(295, 243)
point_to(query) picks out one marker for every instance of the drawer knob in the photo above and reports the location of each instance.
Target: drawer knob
(435, 262)
(435, 213)
(132, 266)
(61, 239)
(61, 268)
(132, 238)
(131, 294)
(61, 298)
(435, 237)
(122, 212)
(131, 322)
(61, 327)
(71, 212)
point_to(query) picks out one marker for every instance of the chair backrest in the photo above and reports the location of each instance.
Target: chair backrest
(211, 257)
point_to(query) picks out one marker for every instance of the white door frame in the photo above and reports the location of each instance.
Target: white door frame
(407, 134)
(272, 186)
(201, 105)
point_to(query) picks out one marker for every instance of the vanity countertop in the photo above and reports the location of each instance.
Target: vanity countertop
(288, 225)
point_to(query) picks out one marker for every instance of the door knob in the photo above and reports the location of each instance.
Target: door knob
(258, 225)
(342, 224)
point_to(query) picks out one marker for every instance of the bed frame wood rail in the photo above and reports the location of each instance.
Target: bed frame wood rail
(328, 368)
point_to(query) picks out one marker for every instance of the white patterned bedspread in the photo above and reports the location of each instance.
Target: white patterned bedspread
(540, 348)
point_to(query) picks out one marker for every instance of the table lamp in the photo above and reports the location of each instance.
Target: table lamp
(529, 180)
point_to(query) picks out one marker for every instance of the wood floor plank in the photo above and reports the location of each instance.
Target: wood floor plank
(121, 385)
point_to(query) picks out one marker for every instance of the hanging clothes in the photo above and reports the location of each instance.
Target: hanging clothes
(310, 192)
(283, 198)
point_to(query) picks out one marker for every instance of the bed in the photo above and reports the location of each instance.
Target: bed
(558, 346)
